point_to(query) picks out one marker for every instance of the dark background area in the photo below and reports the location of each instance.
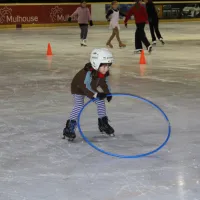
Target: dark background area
(63, 1)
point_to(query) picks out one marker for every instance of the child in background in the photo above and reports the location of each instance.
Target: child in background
(113, 17)
(153, 22)
(141, 18)
(83, 18)
(85, 83)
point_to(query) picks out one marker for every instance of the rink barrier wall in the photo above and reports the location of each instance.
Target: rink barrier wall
(56, 14)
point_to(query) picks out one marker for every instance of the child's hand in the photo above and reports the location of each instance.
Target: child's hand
(69, 19)
(109, 98)
(91, 23)
(101, 95)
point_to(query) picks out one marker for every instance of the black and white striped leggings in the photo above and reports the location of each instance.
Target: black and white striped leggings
(79, 103)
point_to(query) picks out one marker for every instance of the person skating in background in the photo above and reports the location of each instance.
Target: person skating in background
(113, 17)
(84, 17)
(141, 18)
(153, 22)
(84, 84)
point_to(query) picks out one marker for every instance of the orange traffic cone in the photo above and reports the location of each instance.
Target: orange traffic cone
(142, 58)
(49, 51)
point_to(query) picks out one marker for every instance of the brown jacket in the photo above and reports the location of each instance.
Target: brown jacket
(86, 82)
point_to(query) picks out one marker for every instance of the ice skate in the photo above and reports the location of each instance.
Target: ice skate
(162, 41)
(105, 127)
(121, 45)
(109, 45)
(154, 43)
(150, 49)
(69, 130)
(138, 51)
(84, 43)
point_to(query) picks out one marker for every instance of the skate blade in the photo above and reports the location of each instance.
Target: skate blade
(150, 51)
(109, 135)
(138, 51)
(109, 47)
(162, 42)
(71, 139)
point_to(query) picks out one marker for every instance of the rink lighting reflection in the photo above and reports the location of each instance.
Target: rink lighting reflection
(120, 155)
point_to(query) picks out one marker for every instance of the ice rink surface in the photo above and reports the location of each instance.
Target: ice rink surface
(35, 102)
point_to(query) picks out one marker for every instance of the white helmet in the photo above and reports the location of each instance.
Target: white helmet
(99, 56)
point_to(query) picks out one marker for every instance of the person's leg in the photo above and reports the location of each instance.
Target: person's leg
(81, 33)
(143, 37)
(151, 26)
(78, 104)
(69, 130)
(101, 108)
(138, 42)
(103, 119)
(158, 34)
(85, 31)
(118, 37)
(110, 39)
(157, 30)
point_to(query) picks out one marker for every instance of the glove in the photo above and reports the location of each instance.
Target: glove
(109, 98)
(126, 25)
(69, 19)
(101, 95)
(91, 23)
(108, 19)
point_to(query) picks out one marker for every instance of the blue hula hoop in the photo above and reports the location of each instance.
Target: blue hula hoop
(119, 155)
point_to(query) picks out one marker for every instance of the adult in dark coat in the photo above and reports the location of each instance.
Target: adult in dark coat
(153, 22)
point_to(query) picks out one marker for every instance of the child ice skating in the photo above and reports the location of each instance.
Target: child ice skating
(84, 84)
(141, 18)
(153, 22)
(113, 17)
(83, 18)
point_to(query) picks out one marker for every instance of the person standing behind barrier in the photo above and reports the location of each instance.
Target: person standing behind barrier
(83, 18)
(153, 22)
(141, 18)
